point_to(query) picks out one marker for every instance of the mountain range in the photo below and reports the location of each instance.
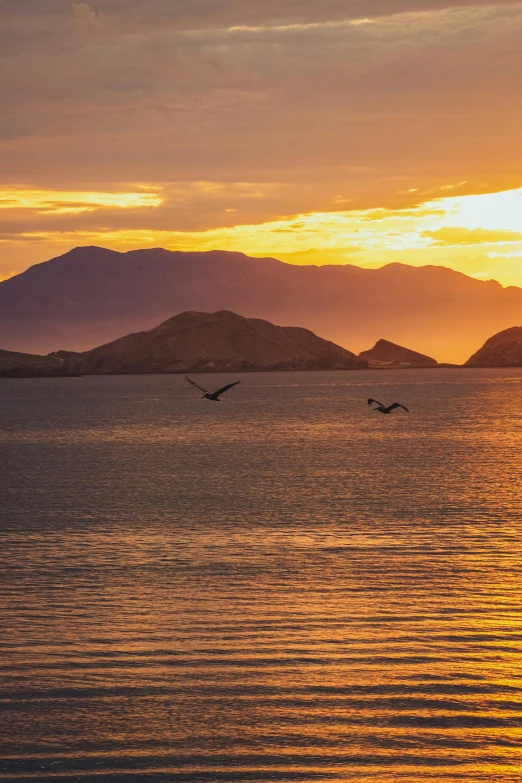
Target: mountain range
(92, 295)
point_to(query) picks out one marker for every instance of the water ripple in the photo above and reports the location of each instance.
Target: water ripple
(282, 588)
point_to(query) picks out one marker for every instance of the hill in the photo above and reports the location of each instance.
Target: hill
(501, 350)
(23, 365)
(215, 342)
(387, 354)
(92, 295)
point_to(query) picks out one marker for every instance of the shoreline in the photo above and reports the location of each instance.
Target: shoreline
(261, 370)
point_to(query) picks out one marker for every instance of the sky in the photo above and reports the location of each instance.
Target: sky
(315, 131)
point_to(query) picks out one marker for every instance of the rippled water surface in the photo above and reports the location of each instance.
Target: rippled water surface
(280, 587)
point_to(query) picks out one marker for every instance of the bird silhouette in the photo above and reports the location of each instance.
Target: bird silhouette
(214, 396)
(386, 408)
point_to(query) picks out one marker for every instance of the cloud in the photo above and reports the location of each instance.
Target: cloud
(86, 20)
(35, 225)
(225, 13)
(48, 202)
(291, 100)
(477, 236)
(283, 91)
(166, 213)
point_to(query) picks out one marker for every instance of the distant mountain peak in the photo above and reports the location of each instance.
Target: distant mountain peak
(92, 250)
(387, 353)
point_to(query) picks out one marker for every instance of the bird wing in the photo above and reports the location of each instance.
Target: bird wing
(398, 405)
(193, 383)
(371, 401)
(226, 388)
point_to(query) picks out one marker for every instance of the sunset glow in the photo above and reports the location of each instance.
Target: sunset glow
(317, 133)
(309, 212)
(47, 202)
(480, 234)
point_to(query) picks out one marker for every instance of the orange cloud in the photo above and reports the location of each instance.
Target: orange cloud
(48, 202)
(472, 236)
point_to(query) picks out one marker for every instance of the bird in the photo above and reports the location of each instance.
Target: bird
(386, 409)
(214, 396)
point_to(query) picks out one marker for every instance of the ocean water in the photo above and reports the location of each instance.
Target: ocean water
(280, 587)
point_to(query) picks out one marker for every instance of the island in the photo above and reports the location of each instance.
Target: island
(386, 354)
(198, 342)
(504, 349)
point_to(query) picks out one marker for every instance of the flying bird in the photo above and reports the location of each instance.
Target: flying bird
(386, 409)
(214, 396)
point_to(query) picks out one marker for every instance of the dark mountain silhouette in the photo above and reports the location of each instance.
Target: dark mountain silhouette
(24, 365)
(214, 342)
(91, 295)
(386, 354)
(501, 350)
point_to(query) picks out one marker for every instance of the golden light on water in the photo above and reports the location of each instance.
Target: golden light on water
(243, 613)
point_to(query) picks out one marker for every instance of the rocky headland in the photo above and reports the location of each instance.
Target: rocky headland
(502, 350)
